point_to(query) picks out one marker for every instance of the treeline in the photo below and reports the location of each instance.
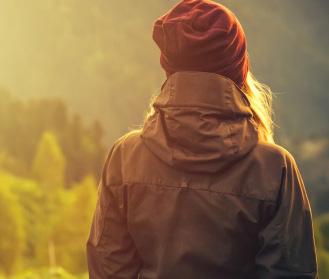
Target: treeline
(49, 167)
(22, 128)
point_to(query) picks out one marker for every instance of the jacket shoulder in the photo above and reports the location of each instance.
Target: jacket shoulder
(274, 152)
(122, 157)
(266, 166)
(127, 140)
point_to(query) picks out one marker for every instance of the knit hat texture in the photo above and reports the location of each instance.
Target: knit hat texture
(201, 35)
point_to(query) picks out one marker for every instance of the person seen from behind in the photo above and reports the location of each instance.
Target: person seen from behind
(202, 191)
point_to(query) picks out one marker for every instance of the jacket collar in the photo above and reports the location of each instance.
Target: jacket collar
(202, 123)
(203, 90)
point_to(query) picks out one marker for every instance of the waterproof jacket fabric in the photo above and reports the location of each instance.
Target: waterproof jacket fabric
(196, 194)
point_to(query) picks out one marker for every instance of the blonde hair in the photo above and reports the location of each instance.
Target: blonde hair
(260, 97)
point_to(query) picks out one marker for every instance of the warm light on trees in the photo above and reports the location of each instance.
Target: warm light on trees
(49, 162)
(12, 237)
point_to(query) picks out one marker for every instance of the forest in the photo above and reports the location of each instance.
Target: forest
(75, 75)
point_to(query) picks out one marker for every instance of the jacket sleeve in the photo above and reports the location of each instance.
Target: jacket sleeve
(286, 243)
(111, 252)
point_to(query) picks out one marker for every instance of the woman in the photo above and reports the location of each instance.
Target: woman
(202, 191)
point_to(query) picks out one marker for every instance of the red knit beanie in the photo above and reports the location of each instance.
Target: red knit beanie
(201, 35)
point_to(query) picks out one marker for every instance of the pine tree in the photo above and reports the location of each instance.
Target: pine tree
(49, 162)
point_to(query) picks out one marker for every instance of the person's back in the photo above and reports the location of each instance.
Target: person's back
(199, 192)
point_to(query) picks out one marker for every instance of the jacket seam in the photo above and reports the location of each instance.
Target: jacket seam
(112, 185)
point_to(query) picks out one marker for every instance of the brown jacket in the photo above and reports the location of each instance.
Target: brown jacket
(196, 194)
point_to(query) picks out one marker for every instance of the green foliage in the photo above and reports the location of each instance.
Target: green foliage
(35, 234)
(53, 273)
(71, 228)
(29, 197)
(323, 263)
(322, 242)
(323, 231)
(21, 136)
(49, 162)
(12, 239)
(46, 215)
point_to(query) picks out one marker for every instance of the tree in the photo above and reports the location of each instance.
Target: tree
(72, 225)
(29, 196)
(321, 229)
(12, 233)
(49, 162)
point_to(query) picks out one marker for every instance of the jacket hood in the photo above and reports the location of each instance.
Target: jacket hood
(202, 123)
